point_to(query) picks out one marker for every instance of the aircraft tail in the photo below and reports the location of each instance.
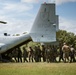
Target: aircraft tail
(45, 25)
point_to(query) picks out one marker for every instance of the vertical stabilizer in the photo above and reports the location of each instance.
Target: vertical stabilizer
(44, 27)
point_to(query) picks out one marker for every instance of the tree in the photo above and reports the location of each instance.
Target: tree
(64, 36)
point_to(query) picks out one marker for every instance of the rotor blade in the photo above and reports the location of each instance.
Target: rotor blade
(3, 22)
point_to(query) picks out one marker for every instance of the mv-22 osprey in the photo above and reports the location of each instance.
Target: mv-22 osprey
(43, 30)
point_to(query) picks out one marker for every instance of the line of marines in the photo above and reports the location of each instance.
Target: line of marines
(47, 53)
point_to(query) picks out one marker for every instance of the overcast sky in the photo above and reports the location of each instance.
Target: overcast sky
(20, 14)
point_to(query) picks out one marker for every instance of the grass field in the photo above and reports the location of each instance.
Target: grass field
(37, 68)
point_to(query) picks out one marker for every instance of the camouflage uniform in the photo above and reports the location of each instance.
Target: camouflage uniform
(19, 55)
(25, 54)
(30, 54)
(72, 54)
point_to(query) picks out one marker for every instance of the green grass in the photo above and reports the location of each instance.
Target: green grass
(37, 68)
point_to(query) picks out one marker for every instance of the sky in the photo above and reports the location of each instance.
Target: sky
(20, 15)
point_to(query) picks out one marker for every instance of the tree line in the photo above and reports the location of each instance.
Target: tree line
(68, 37)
